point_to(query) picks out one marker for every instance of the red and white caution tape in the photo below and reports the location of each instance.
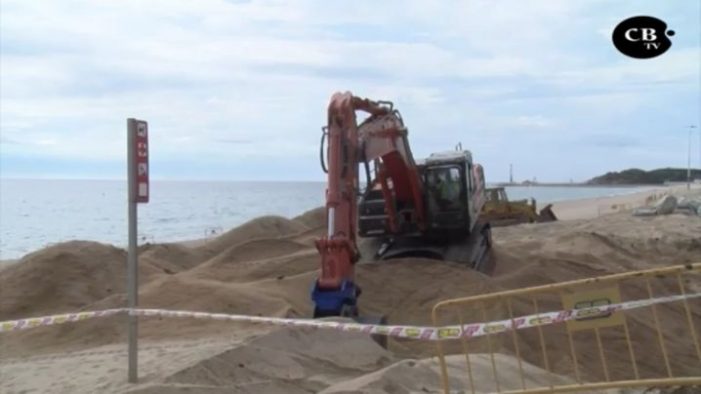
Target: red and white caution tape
(33, 322)
(410, 332)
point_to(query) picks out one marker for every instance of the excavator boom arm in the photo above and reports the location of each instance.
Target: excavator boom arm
(382, 139)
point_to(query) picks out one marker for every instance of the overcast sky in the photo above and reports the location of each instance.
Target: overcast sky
(238, 90)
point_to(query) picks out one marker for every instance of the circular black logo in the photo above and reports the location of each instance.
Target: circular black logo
(642, 37)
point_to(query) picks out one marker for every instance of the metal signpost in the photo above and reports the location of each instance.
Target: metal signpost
(688, 167)
(138, 189)
(688, 163)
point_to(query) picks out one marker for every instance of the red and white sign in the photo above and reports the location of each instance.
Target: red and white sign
(141, 149)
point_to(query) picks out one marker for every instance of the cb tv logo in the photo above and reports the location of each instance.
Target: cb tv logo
(642, 37)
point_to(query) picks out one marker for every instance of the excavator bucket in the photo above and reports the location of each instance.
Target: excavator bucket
(352, 312)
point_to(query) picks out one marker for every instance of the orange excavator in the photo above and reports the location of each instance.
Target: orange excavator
(398, 206)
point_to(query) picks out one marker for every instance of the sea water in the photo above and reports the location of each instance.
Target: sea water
(37, 213)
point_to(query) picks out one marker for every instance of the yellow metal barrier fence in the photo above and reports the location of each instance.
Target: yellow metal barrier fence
(652, 346)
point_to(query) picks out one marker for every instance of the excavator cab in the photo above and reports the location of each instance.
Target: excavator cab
(446, 197)
(452, 193)
(445, 186)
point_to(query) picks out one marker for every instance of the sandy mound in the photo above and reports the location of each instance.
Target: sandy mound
(181, 292)
(558, 251)
(236, 262)
(278, 268)
(170, 292)
(423, 376)
(171, 257)
(643, 337)
(63, 277)
(284, 361)
(313, 218)
(531, 255)
(405, 290)
(262, 227)
(302, 361)
(267, 266)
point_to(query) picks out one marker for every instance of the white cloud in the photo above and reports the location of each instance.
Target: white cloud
(533, 121)
(258, 74)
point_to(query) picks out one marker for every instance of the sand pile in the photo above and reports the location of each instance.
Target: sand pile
(241, 262)
(304, 361)
(265, 227)
(63, 277)
(647, 352)
(313, 218)
(170, 257)
(531, 255)
(287, 361)
(266, 267)
(609, 244)
(423, 376)
(296, 360)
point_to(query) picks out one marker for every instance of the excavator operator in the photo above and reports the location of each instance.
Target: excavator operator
(446, 189)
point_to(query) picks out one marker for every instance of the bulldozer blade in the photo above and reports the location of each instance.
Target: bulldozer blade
(546, 214)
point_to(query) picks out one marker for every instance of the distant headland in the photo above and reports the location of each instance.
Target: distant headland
(629, 177)
(637, 176)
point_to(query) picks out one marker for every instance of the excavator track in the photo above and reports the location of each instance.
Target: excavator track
(474, 251)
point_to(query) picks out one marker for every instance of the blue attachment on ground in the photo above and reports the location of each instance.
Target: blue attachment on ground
(330, 302)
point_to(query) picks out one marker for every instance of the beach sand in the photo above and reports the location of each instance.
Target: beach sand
(265, 267)
(594, 207)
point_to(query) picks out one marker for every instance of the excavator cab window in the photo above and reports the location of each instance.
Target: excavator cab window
(445, 185)
(368, 177)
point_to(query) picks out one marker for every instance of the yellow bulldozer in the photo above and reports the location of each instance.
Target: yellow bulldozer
(499, 211)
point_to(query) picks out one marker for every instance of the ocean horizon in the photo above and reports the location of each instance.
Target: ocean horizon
(35, 213)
